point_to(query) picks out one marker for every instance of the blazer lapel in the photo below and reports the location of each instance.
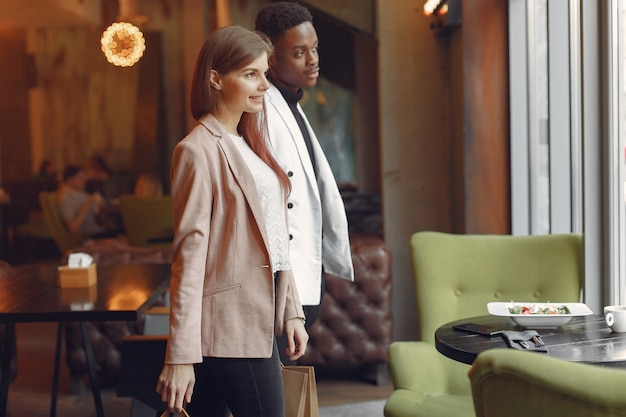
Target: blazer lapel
(240, 171)
(279, 103)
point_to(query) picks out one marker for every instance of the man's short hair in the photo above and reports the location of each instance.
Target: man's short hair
(276, 18)
(70, 171)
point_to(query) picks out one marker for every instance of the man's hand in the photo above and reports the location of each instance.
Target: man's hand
(97, 202)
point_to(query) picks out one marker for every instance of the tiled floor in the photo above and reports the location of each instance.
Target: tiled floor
(29, 395)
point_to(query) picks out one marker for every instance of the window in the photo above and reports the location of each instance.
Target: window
(616, 148)
(561, 149)
(544, 147)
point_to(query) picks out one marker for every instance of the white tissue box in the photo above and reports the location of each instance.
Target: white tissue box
(77, 277)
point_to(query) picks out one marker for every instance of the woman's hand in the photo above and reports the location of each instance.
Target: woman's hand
(175, 385)
(297, 338)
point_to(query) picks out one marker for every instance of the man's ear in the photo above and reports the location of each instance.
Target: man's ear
(271, 60)
(215, 80)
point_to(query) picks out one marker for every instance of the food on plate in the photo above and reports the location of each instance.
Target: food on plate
(543, 308)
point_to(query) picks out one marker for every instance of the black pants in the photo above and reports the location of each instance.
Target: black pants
(249, 387)
(311, 312)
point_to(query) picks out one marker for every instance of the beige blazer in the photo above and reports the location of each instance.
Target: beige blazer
(223, 300)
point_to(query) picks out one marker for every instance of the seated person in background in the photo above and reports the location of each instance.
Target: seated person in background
(82, 212)
(46, 171)
(98, 169)
(148, 185)
(99, 176)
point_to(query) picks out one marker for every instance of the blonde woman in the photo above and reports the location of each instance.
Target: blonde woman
(148, 185)
(232, 289)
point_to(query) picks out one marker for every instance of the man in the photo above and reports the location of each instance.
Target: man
(79, 209)
(318, 226)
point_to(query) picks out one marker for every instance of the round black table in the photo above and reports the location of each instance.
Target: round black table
(583, 339)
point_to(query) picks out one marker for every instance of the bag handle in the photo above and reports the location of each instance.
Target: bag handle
(167, 413)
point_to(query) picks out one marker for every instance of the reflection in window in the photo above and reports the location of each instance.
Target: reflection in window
(539, 116)
(330, 110)
(618, 146)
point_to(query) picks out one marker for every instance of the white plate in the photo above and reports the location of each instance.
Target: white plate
(539, 320)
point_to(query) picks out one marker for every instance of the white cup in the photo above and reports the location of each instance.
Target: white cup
(615, 317)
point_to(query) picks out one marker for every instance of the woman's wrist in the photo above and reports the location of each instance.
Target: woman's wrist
(302, 319)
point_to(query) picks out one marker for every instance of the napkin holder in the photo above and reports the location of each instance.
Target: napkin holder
(75, 277)
(79, 295)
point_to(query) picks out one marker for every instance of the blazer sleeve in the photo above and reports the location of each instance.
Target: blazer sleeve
(288, 304)
(192, 207)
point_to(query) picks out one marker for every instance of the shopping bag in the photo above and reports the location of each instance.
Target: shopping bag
(295, 387)
(300, 391)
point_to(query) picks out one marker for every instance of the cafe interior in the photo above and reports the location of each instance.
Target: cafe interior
(478, 146)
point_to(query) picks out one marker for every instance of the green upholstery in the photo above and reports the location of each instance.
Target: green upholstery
(147, 217)
(35, 226)
(512, 383)
(455, 277)
(64, 239)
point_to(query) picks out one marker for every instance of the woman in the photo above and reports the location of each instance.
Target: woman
(232, 289)
(148, 186)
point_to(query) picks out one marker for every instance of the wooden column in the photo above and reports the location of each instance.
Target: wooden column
(486, 117)
(149, 147)
(17, 75)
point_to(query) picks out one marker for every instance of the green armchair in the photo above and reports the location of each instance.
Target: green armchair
(64, 239)
(455, 277)
(507, 382)
(148, 221)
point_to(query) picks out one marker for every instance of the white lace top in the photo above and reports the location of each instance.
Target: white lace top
(273, 204)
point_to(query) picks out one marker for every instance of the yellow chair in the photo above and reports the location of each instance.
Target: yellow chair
(64, 239)
(455, 277)
(148, 221)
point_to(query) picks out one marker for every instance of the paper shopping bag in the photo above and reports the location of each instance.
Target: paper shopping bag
(295, 385)
(300, 391)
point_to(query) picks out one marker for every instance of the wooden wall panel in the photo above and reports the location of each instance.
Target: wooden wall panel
(149, 149)
(486, 124)
(16, 76)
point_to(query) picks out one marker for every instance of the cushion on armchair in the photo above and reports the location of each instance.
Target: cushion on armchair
(507, 382)
(148, 221)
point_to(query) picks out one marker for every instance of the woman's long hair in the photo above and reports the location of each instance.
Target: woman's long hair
(228, 49)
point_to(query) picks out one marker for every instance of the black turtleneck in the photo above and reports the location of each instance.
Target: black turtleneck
(292, 99)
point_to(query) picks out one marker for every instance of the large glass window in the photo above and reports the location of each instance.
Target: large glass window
(560, 144)
(616, 155)
(543, 157)
(539, 116)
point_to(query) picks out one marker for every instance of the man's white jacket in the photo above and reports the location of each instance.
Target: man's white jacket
(315, 207)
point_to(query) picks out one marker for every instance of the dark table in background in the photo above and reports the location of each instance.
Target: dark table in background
(18, 200)
(583, 339)
(11, 213)
(31, 295)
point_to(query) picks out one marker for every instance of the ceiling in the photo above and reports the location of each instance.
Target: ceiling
(357, 14)
(46, 13)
